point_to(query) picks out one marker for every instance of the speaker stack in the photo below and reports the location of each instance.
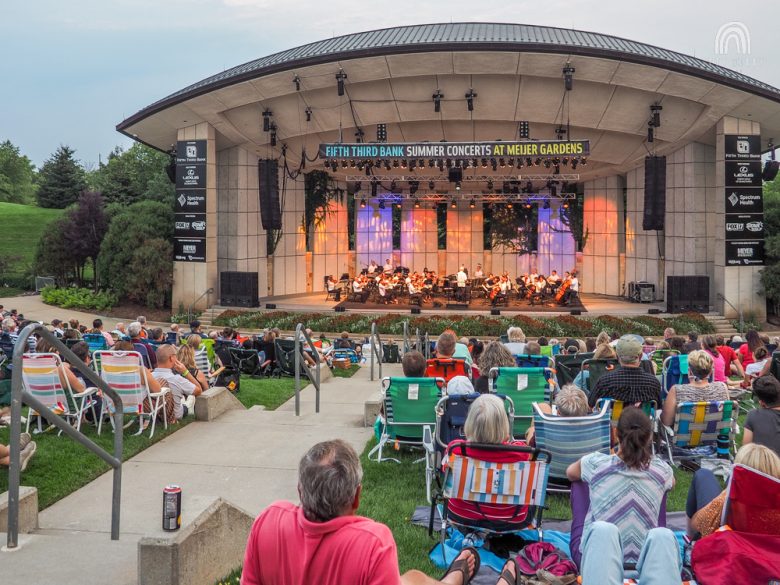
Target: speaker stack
(238, 289)
(687, 294)
(268, 183)
(655, 193)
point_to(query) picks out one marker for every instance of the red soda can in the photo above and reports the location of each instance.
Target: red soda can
(171, 518)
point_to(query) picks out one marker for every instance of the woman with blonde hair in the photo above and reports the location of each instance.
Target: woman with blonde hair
(698, 389)
(706, 499)
(602, 338)
(186, 355)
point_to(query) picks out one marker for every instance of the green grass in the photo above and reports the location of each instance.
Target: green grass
(22, 228)
(268, 392)
(339, 373)
(10, 291)
(60, 466)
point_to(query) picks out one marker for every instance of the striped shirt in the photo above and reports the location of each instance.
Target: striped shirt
(628, 498)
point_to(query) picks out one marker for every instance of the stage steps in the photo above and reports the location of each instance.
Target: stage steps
(722, 325)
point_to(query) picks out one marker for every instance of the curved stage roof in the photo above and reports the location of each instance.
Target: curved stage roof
(514, 68)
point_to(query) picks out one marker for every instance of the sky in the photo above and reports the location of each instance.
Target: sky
(72, 70)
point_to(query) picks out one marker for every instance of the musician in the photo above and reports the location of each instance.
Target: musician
(385, 290)
(462, 278)
(464, 269)
(357, 289)
(554, 279)
(388, 267)
(372, 268)
(478, 272)
(574, 289)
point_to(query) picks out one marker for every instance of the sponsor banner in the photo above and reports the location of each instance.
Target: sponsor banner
(428, 150)
(744, 226)
(744, 200)
(189, 249)
(740, 147)
(190, 152)
(190, 201)
(190, 225)
(191, 176)
(743, 174)
(745, 253)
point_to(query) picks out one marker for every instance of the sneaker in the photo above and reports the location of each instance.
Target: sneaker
(190, 404)
(27, 454)
(24, 440)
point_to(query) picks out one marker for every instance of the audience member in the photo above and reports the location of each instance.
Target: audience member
(570, 402)
(761, 359)
(496, 355)
(459, 385)
(516, 341)
(445, 345)
(590, 344)
(603, 337)
(698, 389)
(27, 447)
(144, 331)
(142, 345)
(747, 349)
(692, 344)
(629, 382)
(762, 425)
(195, 328)
(676, 343)
(731, 363)
(413, 364)
(56, 327)
(175, 375)
(156, 336)
(461, 351)
(532, 348)
(669, 333)
(97, 326)
(186, 356)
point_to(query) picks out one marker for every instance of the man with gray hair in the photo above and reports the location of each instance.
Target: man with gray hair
(142, 345)
(324, 541)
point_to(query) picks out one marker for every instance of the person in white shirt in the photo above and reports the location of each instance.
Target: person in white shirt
(356, 286)
(516, 341)
(173, 374)
(388, 267)
(478, 272)
(462, 277)
(372, 267)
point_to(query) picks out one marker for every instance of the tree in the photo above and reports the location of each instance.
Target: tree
(61, 180)
(53, 256)
(84, 231)
(129, 242)
(770, 275)
(17, 175)
(133, 175)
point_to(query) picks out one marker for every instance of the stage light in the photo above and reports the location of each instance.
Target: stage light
(358, 186)
(437, 95)
(490, 184)
(529, 187)
(523, 130)
(474, 163)
(470, 95)
(565, 162)
(454, 204)
(421, 164)
(472, 204)
(416, 204)
(395, 164)
(655, 109)
(368, 171)
(528, 206)
(449, 163)
(412, 164)
(568, 77)
(441, 165)
(267, 120)
(493, 164)
(431, 185)
(344, 164)
(484, 163)
(547, 163)
(273, 134)
(362, 203)
(566, 206)
(553, 193)
(334, 165)
(557, 170)
(457, 185)
(574, 163)
(537, 162)
(392, 186)
(381, 132)
(431, 163)
(509, 205)
(398, 205)
(381, 204)
(510, 162)
(584, 161)
(650, 132)
(340, 77)
(387, 164)
(413, 186)
(297, 82)
(403, 163)
(501, 163)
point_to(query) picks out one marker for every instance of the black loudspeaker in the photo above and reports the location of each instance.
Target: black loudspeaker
(770, 170)
(575, 312)
(238, 289)
(268, 182)
(655, 193)
(457, 306)
(687, 294)
(415, 310)
(455, 174)
(270, 305)
(654, 311)
(170, 170)
(495, 311)
(339, 309)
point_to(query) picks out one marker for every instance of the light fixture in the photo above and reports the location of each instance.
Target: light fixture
(362, 203)
(437, 95)
(509, 205)
(568, 77)
(470, 95)
(650, 132)
(472, 204)
(357, 187)
(547, 163)
(655, 110)
(431, 185)
(528, 206)
(501, 163)
(457, 185)
(398, 204)
(490, 184)
(267, 120)
(523, 130)
(454, 204)
(340, 77)
(537, 162)
(566, 206)
(493, 164)
(416, 203)
(381, 132)
(413, 186)
(297, 82)
(273, 134)
(574, 163)
(308, 113)
(584, 161)
(546, 204)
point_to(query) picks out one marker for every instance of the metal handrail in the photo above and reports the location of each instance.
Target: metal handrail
(19, 395)
(407, 348)
(208, 291)
(301, 332)
(376, 348)
(741, 317)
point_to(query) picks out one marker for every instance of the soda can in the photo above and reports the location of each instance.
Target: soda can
(171, 518)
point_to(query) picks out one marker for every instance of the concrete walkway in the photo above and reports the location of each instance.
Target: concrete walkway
(248, 458)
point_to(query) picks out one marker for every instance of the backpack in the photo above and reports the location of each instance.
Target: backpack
(727, 557)
(229, 378)
(540, 558)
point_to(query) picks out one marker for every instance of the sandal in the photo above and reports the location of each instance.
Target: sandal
(509, 577)
(461, 564)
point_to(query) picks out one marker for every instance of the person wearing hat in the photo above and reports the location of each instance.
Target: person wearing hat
(56, 327)
(628, 382)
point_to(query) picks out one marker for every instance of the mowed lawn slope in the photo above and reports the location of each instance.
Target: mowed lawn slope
(22, 228)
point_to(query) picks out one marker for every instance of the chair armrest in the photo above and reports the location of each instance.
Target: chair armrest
(163, 391)
(427, 439)
(668, 430)
(88, 392)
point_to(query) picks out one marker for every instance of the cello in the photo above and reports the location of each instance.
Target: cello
(562, 290)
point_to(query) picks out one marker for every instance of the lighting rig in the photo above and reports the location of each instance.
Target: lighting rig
(441, 163)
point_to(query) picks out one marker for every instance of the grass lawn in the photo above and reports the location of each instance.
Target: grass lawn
(10, 291)
(60, 466)
(22, 228)
(268, 392)
(348, 373)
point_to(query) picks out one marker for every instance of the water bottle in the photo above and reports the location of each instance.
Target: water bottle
(723, 447)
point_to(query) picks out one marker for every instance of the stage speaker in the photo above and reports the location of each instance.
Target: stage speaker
(268, 182)
(170, 170)
(339, 309)
(270, 305)
(687, 294)
(575, 312)
(655, 193)
(238, 289)
(457, 306)
(495, 311)
(415, 310)
(455, 174)
(654, 311)
(770, 170)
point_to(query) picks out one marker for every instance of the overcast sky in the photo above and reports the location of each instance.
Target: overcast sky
(72, 69)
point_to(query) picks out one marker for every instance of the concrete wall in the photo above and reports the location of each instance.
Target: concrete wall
(603, 220)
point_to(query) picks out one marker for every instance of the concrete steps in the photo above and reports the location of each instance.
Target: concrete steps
(722, 325)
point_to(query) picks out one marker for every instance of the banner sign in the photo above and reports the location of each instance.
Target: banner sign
(744, 226)
(744, 200)
(189, 242)
(743, 147)
(745, 253)
(743, 174)
(545, 148)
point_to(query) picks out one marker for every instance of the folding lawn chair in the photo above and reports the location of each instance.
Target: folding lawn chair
(285, 358)
(202, 361)
(447, 368)
(95, 341)
(658, 357)
(568, 365)
(344, 353)
(533, 361)
(125, 373)
(698, 424)
(596, 369)
(41, 378)
(752, 502)
(410, 405)
(246, 360)
(523, 386)
(493, 489)
(675, 371)
(568, 438)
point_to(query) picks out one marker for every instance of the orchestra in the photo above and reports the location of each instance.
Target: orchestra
(388, 284)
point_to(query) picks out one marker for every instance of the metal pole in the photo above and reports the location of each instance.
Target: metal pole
(14, 471)
(298, 369)
(372, 352)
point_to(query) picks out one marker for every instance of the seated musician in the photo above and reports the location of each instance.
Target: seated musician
(372, 268)
(478, 272)
(414, 292)
(388, 267)
(357, 288)
(573, 291)
(385, 288)
(541, 284)
(554, 279)
(488, 284)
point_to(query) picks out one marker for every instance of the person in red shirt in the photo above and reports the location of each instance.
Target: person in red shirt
(324, 541)
(746, 350)
(729, 358)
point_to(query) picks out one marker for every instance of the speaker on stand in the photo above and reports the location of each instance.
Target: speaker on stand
(268, 191)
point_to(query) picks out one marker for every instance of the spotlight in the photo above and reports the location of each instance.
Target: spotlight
(528, 206)
(457, 185)
(565, 162)
(501, 163)
(273, 134)
(412, 164)
(431, 185)
(421, 163)
(546, 204)
(584, 161)
(381, 132)
(368, 171)
(509, 205)
(431, 163)
(387, 165)
(437, 100)
(568, 77)
(381, 204)
(297, 82)
(537, 162)
(413, 187)
(395, 164)
(403, 163)
(523, 130)
(352, 164)
(416, 204)
(519, 163)
(547, 163)
(340, 77)
(650, 132)
(344, 164)
(490, 184)
(454, 204)
(449, 163)
(267, 120)
(362, 203)
(392, 186)
(398, 205)
(656, 113)
(470, 95)
(566, 206)
(472, 204)
(493, 164)
(358, 187)
(529, 187)
(308, 114)
(528, 162)
(510, 162)
(574, 163)
(484, 163)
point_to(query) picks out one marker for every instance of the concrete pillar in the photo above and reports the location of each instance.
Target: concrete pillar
(603, 221)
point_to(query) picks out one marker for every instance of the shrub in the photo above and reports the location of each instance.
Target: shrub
(78, 298)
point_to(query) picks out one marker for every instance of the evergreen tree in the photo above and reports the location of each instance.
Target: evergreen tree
(133, 175)
(61, 180)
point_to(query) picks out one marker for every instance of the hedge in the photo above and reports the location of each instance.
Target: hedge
(78, 298)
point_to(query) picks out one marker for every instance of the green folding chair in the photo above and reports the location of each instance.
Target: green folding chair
(523, 386)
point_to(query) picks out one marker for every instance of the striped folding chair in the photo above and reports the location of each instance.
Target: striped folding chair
(493, 489)
(41, 378)
(698, 424)
(125, 373)
(570, 438)
(523, 386)
(202, 361)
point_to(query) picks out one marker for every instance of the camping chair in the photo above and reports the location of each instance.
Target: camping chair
(123, 371)
(616, 409)
(546, 350)
(447, 368)
(285, 358)
(567, 366)
(698, 424)
(533, 361)
(568, 439)
(95, 341)
(41, 378)
(500, 498)
(344, 353)
(523, 386)
(410, 405)
(675, 371)
(246, 360)
(752, 502)
(451, 413)
(659, 356)
(596, 369)
(202, 361)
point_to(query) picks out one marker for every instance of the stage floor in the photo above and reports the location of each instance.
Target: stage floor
(595, 305)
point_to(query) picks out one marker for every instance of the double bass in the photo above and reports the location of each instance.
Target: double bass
(562, 290)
